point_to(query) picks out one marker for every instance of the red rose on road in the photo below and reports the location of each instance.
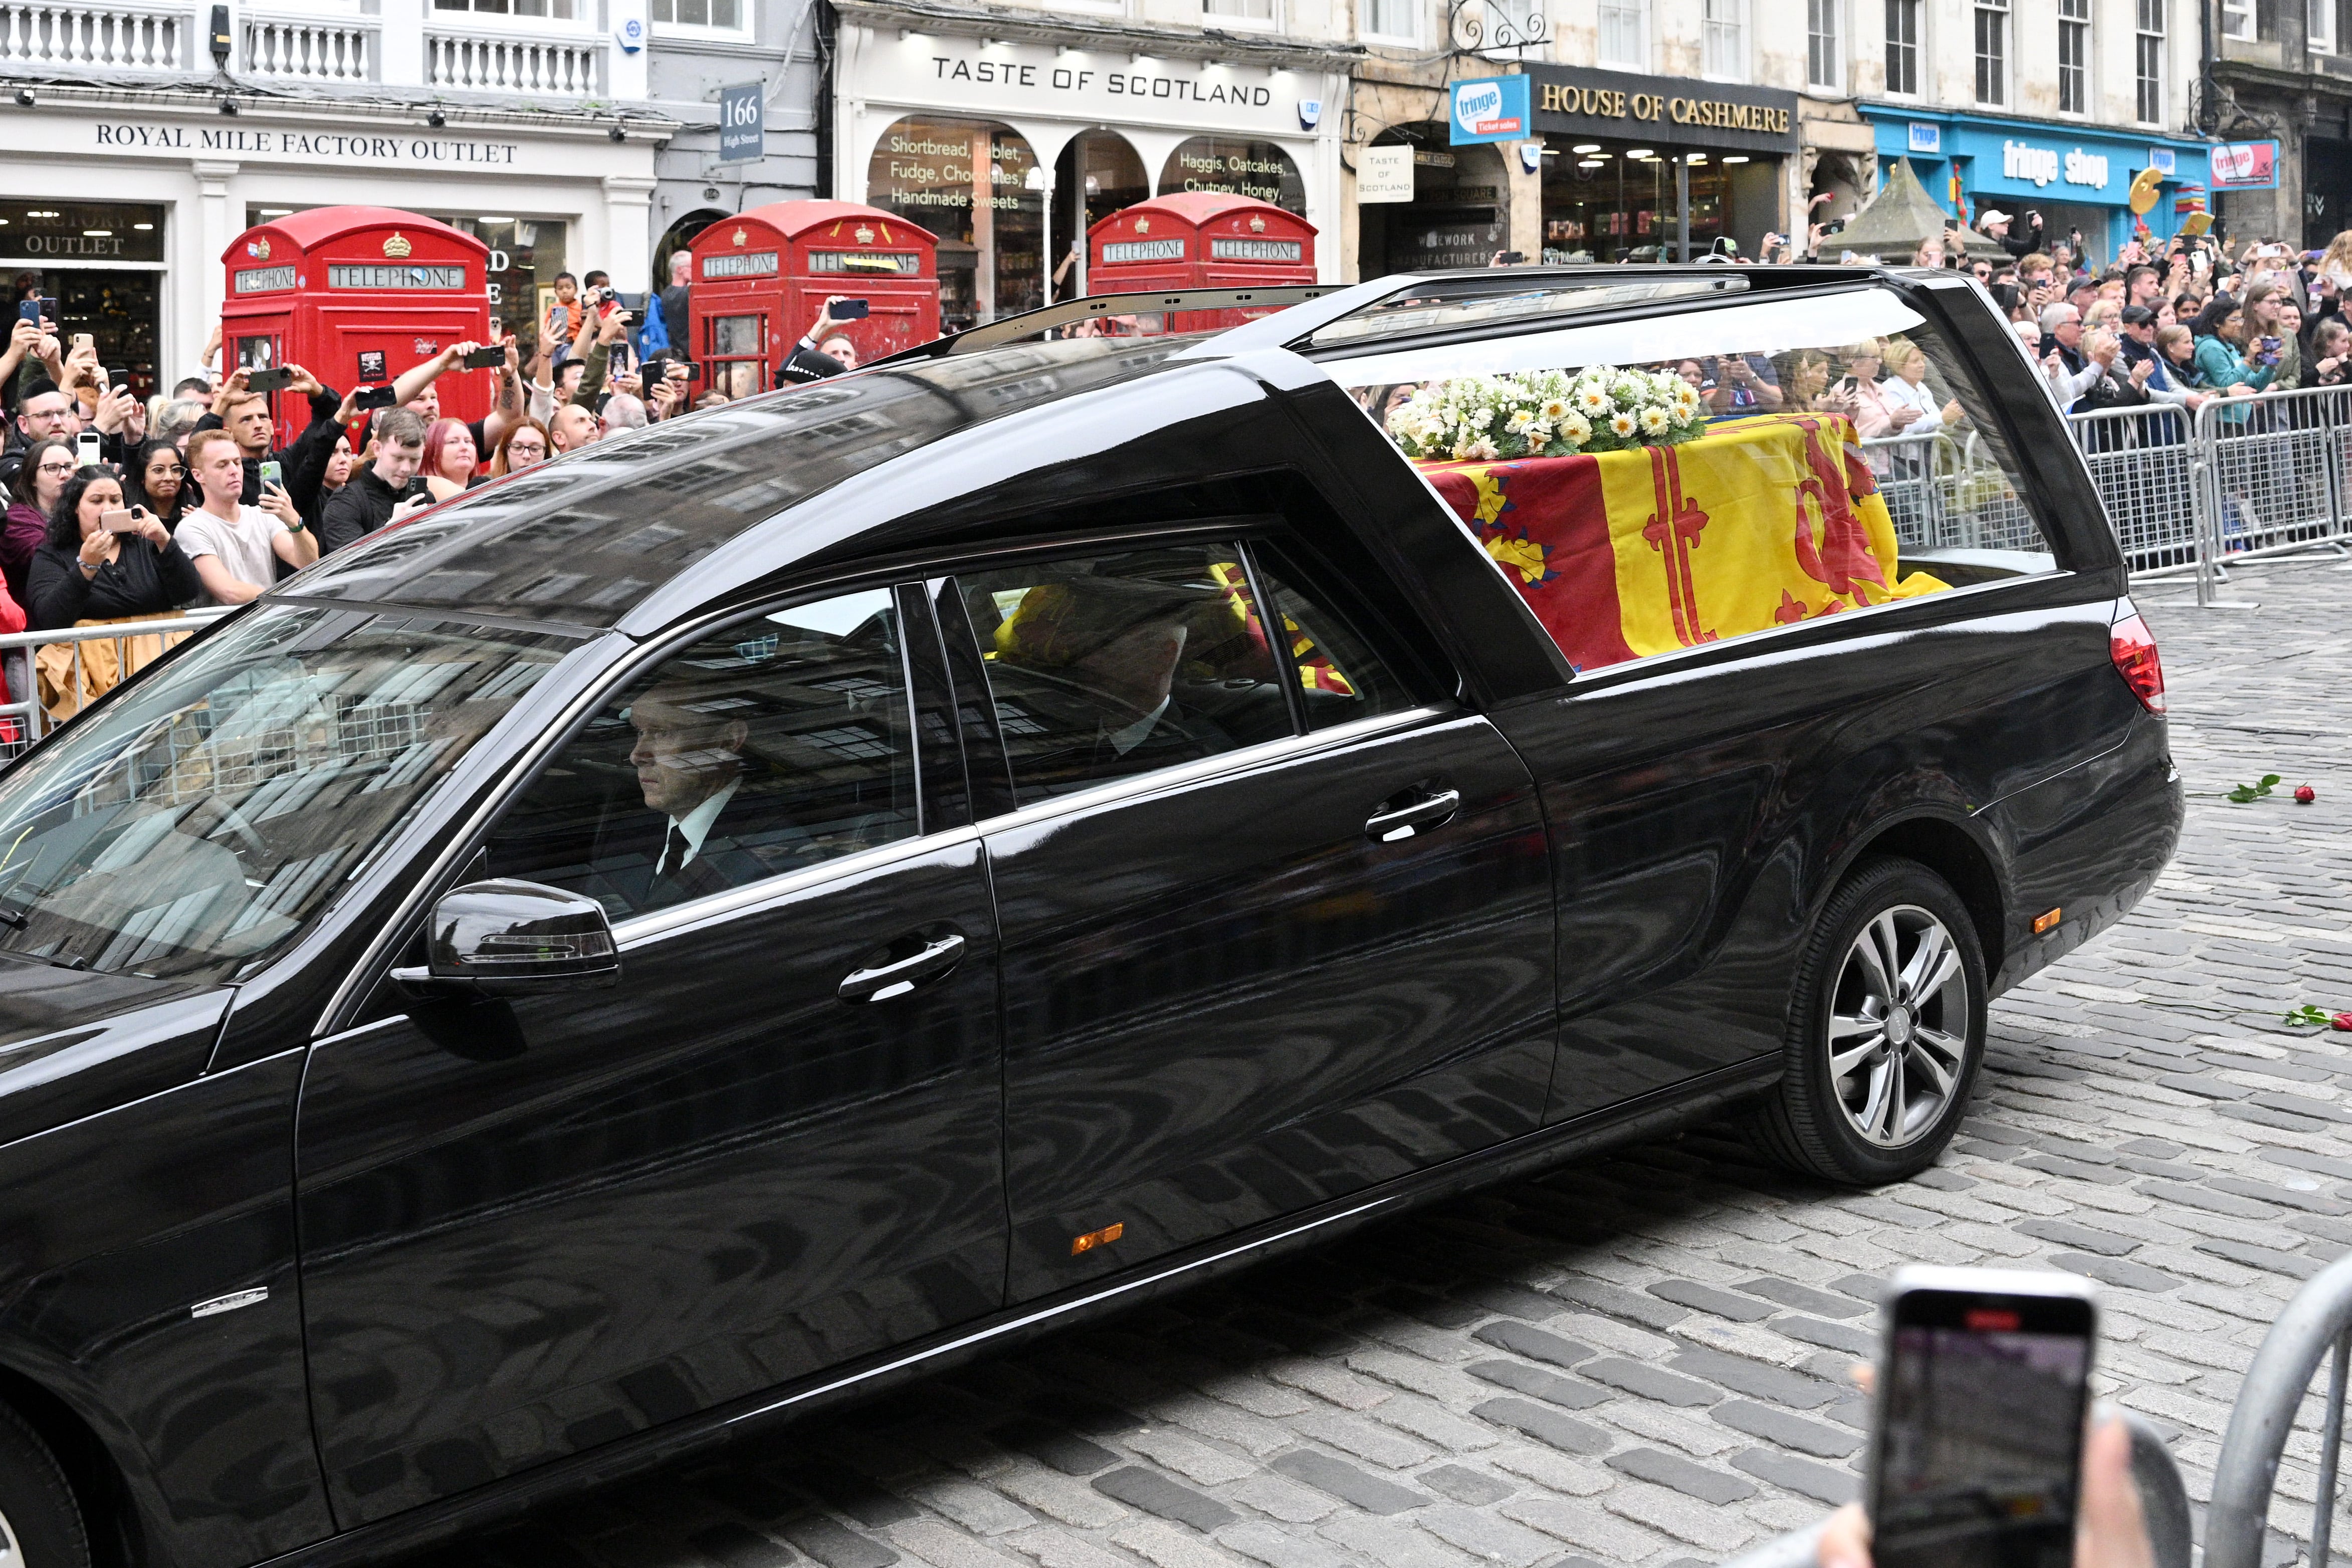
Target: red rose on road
(2304, 794)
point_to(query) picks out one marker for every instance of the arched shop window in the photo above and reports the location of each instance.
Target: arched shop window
(978, 186)
(1229, 166)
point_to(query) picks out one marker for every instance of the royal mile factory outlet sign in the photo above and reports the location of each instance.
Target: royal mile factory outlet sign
(304, 146)
(1674, 111)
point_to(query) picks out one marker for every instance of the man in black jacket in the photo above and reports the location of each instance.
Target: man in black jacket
(384, 489)
(246, 416)
(1995, 224)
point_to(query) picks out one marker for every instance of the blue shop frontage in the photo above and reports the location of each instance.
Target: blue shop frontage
(2076, 176)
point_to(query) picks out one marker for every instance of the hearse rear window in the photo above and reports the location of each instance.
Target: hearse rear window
(1652, 485)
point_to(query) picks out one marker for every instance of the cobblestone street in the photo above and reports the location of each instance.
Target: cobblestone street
(1643, 1362)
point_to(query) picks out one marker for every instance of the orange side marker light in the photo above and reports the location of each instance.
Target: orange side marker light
(1093, 1238)
(2044, 921)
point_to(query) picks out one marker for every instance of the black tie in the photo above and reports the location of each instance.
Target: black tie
(674, 853)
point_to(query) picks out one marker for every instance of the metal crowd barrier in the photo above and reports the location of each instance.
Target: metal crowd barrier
(23, 719)
(2240, 479)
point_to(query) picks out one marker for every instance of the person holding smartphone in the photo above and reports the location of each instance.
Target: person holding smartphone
(103, 563)
(825, 349)
(105, 559)
(235, 548)
(386, 489)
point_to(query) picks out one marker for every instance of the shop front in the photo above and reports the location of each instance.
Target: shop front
(142, 272)
(103, 263)
(1632, 164)
(1009, 140)
(1460, 211)
(2079, 179)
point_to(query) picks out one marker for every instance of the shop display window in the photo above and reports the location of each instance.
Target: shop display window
(44, 245)
(1601, 197)
(1230, 166)
(978, 187)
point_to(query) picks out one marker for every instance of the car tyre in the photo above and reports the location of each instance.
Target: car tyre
(40, 1523)
(1886, 1030)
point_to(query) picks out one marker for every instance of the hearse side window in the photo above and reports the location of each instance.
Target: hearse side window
(1108, 666)
(1650, 485)
(774, 743)
(1339, 675)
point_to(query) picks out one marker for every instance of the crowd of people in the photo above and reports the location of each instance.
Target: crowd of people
(121, 509)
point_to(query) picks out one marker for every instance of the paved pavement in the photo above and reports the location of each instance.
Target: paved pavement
(1643, 1362)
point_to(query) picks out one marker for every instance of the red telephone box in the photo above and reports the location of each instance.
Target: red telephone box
(355, 295)
(760, 278)
(1193, 240)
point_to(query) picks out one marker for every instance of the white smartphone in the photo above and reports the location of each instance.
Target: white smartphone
(1984, 1387)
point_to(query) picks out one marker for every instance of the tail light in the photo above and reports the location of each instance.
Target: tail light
(2133, 648)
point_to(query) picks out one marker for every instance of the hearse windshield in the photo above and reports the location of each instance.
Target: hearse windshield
(206, 816)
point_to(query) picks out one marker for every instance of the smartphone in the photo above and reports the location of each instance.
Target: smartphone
(29, 310)
(82, 340)
(272, 473)
(276, 380)
(850, 310)
(484, 359)
(49, 305)
(368, 398)
(119, 520)
(693, 371)
(86, 449)
(1983, 1385)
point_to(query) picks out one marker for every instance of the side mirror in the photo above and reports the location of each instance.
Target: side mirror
(515, 938)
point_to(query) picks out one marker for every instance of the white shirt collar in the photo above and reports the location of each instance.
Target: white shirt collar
(1125, 741)
(695, 824)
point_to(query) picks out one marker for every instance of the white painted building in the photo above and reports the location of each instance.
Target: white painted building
(145, 135)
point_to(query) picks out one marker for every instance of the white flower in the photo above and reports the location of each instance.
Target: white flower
(1655, 421)
(1520, 422)
(1575, 429)
(1624, 424)
(1555, 409)
(1593, 400)
(1483, 449)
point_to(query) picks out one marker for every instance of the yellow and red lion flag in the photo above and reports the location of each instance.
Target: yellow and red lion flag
(1761, 522)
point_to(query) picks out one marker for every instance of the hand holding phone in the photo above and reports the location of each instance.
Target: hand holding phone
(272, 473)
(368, 399)
(119, 520)
(276, 380)
(1983, 1385)
(484, 359)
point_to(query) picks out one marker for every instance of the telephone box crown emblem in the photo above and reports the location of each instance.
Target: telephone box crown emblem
(1258, 223)
(1143, 225)
(741, 235)
(865, 235)
(261, 247)
(397, 247)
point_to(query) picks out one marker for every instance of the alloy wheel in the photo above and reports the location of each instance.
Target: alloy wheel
(1898, 1025)
(11, 1554)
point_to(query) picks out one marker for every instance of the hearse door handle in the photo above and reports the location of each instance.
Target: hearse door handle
(882, 982)
(1388, 827)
